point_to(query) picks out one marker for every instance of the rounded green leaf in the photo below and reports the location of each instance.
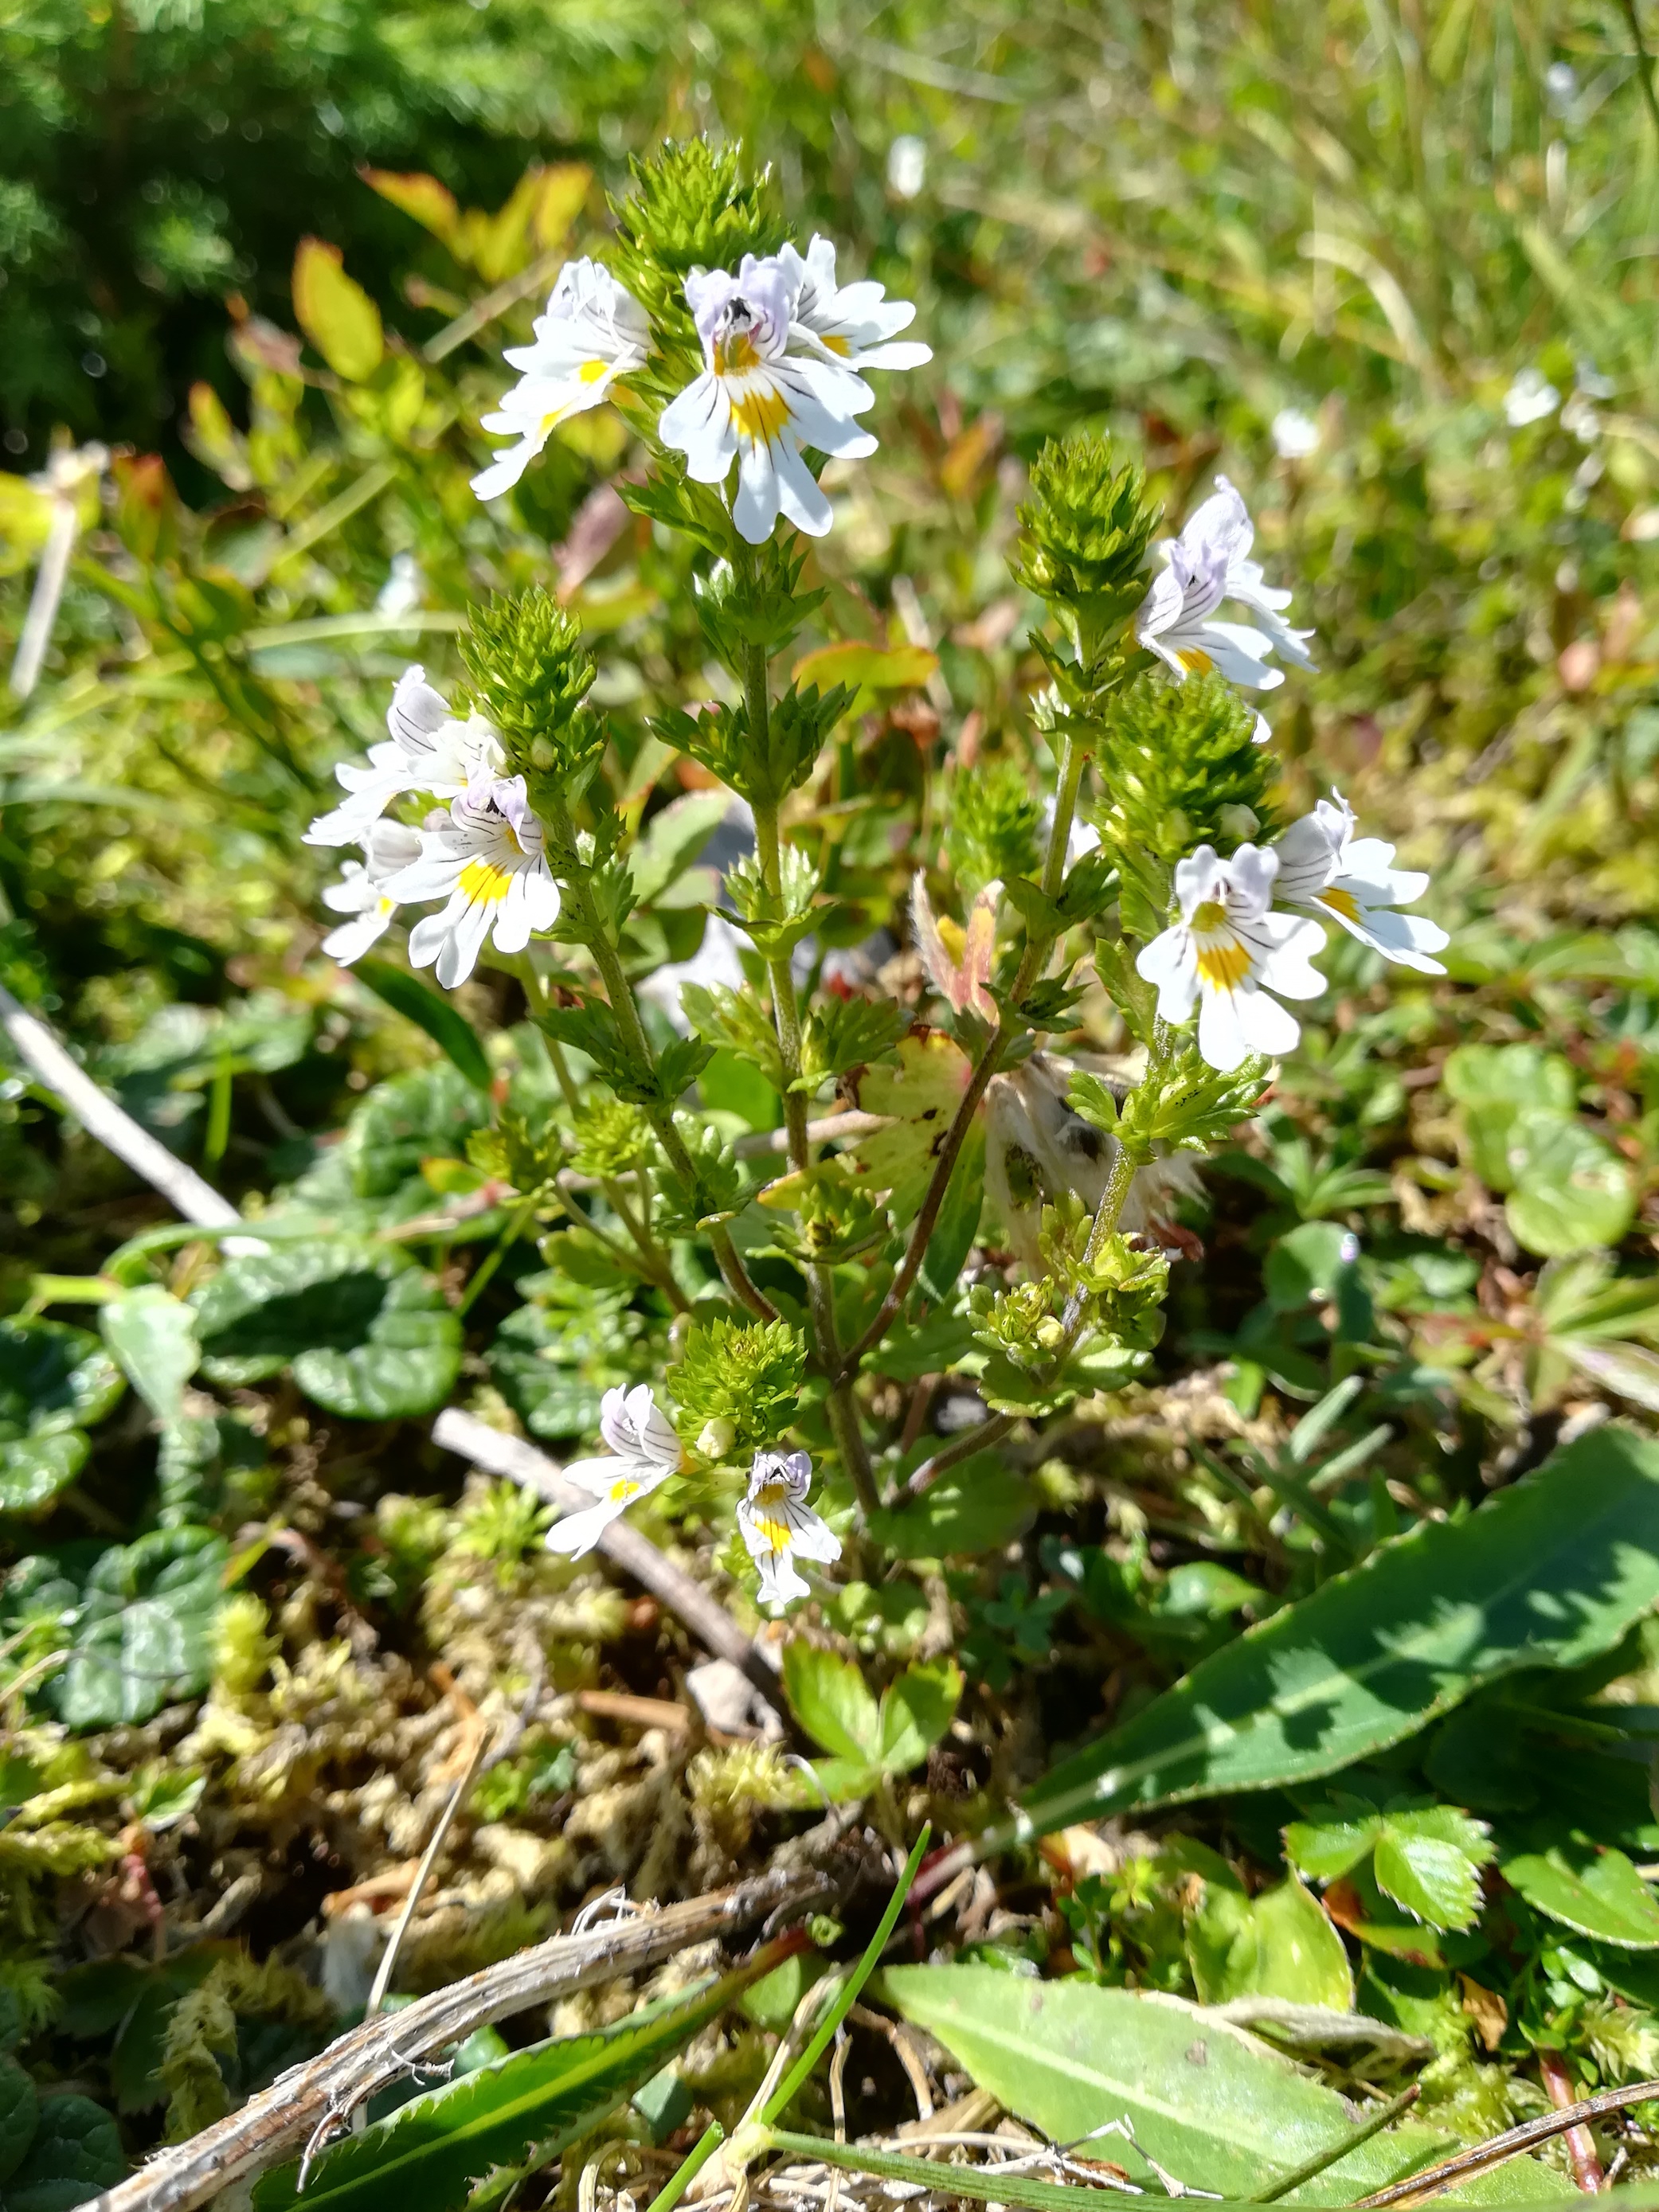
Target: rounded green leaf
(367, 1334)
(1430, 1879)
(19, 2109)
(34, 1470)
(153, 1334)
(52, 1378)
(1299, 1955)
(1600, 1894)
(1572, 1191)
(76, 2152)
(144, 1635)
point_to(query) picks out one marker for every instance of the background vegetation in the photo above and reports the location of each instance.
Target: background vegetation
(1391, 267)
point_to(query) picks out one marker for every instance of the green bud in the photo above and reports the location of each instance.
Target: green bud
(995, 824)
(1179, 768)
(526, 1154)
(690, 206)
(530, 673)
(1086, 529)
(742, 1374)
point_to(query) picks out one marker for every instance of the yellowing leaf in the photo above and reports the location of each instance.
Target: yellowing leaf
(867, 669)
(215, 440)
(25, 520)
(433, 206)
(921, 1096)
(563, 195)
(335, 312)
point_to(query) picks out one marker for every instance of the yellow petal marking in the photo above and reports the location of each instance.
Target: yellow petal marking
(625, 1487)
(836, 344)
(484, 881)
(1191, 658)
(953, 937)
(591, 372)
(1224, 966)
(763, 1516)
(760, 413)
(735, 353)
(1340, 902)
(1209, 917)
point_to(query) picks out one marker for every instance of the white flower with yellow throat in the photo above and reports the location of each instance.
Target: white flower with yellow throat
(487, 858)
(778, 1526)
(429, 750)
(1229, 953)
(646, 1452)
(759, 400)
(857, 323)
(362, 893)
(1324, 870)
(1209, 563)
(593, 332)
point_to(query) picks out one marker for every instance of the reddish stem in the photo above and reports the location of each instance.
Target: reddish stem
(1587, 2170)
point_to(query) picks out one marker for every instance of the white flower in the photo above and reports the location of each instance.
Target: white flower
(647, 1453)
(1207, 563)
(907, 166)
(401, 591)
(361, 893)
(594, 332)
(855, 322)
(759, 404)
(1227, 952)
(1295, 435)
(778, 1526)
(1326, 870)
(487, 856)
(1529, 398)
(429, 750)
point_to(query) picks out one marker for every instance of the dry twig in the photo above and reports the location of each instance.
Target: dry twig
(1417, 2186)
(324, 2092)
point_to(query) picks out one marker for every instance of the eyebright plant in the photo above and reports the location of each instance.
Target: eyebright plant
(1000, 1207)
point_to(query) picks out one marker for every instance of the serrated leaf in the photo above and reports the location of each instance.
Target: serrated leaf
(368, 1334)
(1208, 2101)
(1599, 1894)
(828, 1696)
(436, 2147)
(866, 671)
(1550, 1572)
(1426, 1876)
(153, 1336)
(76, 2152)
(417, 1002)
(918, 1097)
(1324, 1849)
(335, 312)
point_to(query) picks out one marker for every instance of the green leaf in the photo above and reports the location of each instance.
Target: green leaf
(153, 1334)
(1208, 2101)
(1310, 1263)
(55, 1382)
(20, 2107)
(1550, 1572)
(1572, 1191)
(1598, 1893)
(417, 1002)
(1280, 1944)
(673, 839)
(976, 1508)
(335, 312)
(915, 1711)
(76, 2151)
(1326, 1848)
(436, 2147)
(368, 1334)
(143, 1638)
(828, 1696)
(957, 1225)
(1512, 1075)
(1429, 1863)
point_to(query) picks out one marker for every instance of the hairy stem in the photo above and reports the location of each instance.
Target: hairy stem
(1038, 948)
(786, 1013)
(632, 1029)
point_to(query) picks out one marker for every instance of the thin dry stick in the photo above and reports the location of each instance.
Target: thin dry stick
(115, 1129)
(422, 1875)
(624, 1546)
(326, 2090)
(1417, 2186)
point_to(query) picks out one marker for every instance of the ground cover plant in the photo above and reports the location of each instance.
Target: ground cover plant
(875, 871)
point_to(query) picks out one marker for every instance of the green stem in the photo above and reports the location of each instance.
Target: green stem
(690, 2167)
(638, 1046)
(1644, 61)
(1071, 759)
(990, 2184)
(512, 1228)
(1384, 2115)
(786, 1013)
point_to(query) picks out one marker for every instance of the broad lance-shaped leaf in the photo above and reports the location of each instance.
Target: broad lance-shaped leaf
(1599, 1894)
(431, 2151)
(1213, 2105)
(1547, 1574)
